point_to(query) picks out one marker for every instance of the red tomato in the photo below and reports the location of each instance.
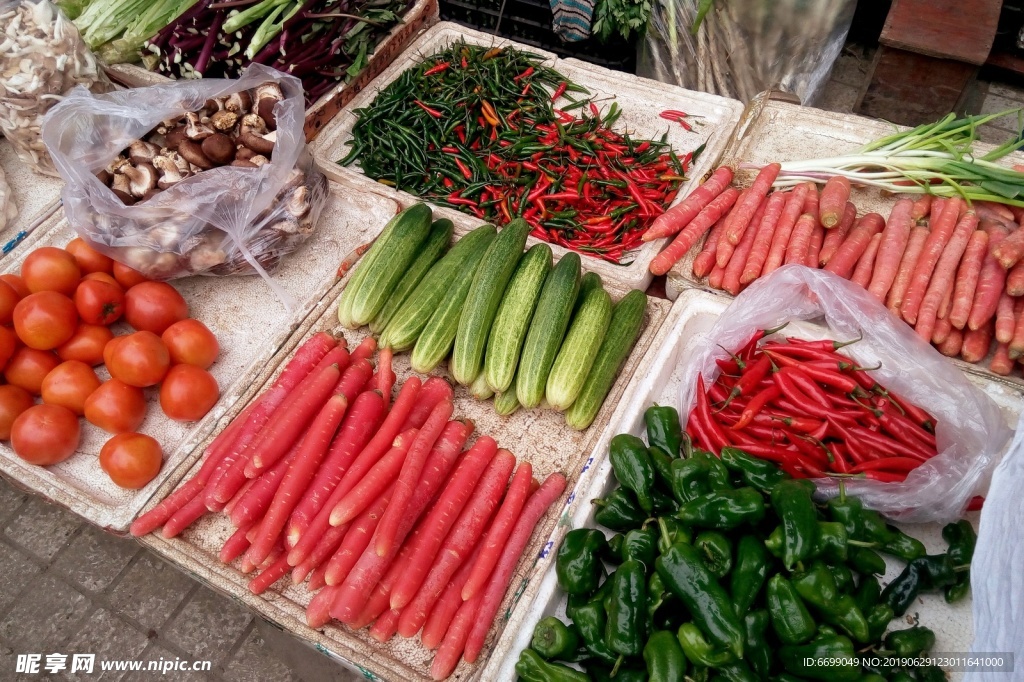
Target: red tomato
(99, 302)
(127, 277)
(188, 393)
(140, 359)
(8, 299)
(88, 258)
(103, 277)
(45, 434)
(16, 283)
(45, 320)
(51, 269)
(116, 407)
(131, 459)
(69, 384)
(154, 306)
(8, 344)
(13, 401)
(191, 343)
(86, 345)
(28, 367)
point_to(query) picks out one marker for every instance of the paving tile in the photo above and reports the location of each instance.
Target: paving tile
(150, 590)
(1006, 90)
(208, 626)
(95, 558)
(10, 498)
(994, 135)
(42, 528)
(110, 638)
(47, 612)
(996, 103)
(157, 653)
(838, 97)
(254, 661)
(19, 571)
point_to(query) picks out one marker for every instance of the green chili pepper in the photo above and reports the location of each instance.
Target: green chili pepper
(792, 501)
(790, 619)
(663, 502)
(825, 630)
(848, 511)
(723, 509)
(878, 617)
(698, 650)
(866, 561)
(798, 660)
(902, 545)
(737, 671)
(684, 572)
(689, 478)
(869, 591)
(578, 562)
(554, 640)
(910, 642)
(962, 539)
(532, 668)
(759, 473)
(641, 544)
(716, 550)
(755, 642)
(955, 593)
(664, 657)
(656, 594)
(663, 429)
(613, 555)
(590, 621)
(625, 606)
(633, 468)
(817, 587)
(749, 574)
(872, 677)
(662, 466)
(619, 511)
(831, 544)
(843, 577)
(718, 474)
(670, 531)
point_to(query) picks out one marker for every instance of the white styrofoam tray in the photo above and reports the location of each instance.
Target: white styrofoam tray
(681, 337)
(250, 325)
(713, 119)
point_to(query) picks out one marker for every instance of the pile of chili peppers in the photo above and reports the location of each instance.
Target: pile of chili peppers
(477, 129)
(811, 410)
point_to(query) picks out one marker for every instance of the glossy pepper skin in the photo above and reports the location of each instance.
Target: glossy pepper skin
(843, 577)
(792, 501)
(718, 474)
(723, 509)
(755, 642)
(670, 531)
(716, 550)
(698, 650)
(588, 617)
(554, 640)
(684, 572)
(962, 539)
(910, 642)
(532, 668)
(737, 671)
(641, 544)
(757, 473)
(633, 469)
(930, 673)
(626, 609)
(878, 617)
(578, 562)
(663, 429)
(748, 575)
(619, 511)
(791, 620)
(662, 466)
(656, 596)
(664, 657)
(869, 591)
(831, 544)
(923, 573)
(866, 561)
(817, 587)
(603, 673)
(690, 478)
(795, 659)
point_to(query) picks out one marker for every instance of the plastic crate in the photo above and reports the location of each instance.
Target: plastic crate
(529, 21)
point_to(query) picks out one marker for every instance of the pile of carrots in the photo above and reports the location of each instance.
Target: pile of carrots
(376, 504)
(812, 411)
(954, 273)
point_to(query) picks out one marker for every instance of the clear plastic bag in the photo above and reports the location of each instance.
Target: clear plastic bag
(971, 429)
(42, 57)
(743, 47)
(223, 221)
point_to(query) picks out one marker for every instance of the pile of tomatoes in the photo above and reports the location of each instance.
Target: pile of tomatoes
(55, 319)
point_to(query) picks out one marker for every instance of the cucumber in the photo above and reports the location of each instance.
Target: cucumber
(506, 403)
(484, 297)
(405, 327)
(479, 388)
(378, 272)
(547, 329)
(513, 318)
(430, 251)
(438, 335)
(591, 280)
(623, 330)
(579, 349)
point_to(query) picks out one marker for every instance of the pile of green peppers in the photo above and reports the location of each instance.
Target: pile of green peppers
(727, 569)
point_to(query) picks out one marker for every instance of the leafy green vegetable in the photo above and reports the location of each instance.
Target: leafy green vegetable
(624, 17)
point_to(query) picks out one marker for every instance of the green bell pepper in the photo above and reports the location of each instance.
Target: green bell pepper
(633, 469)
(554, 640)
(878, 617)
(590, 620)
(641, 544)
(670, 531)
(578, 562)
(792, 501)
(796, 659)
(723, 509)
(663, 429)
(866, 561)
(790, 618)
(662, 464)
(690, 478)
(910, 642)
(817, 587)
(869, 591)
(532, 668)
(664, 657)
(699, 651)
(718, 474)
(962, 539)
(755, 642)
(758, 473)
(831, 544)
(749, 574)
(716, 550)
(619, 511)
(843, 577)
(626, 609)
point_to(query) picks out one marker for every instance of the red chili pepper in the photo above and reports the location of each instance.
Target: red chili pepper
(448, 182)
(795, 423)
(456, 200)
(804, 384)
(706, 420)
(752, 376)
(824, 344)
(886, 476)
(562, 196)
(883, 444)
(559, 91)
(461, 132)
(464, 169)
(439, 68)
(756, 404)
(449, 150)
(465, 63)
(976, 503)
(894, 464)
(433, 112)
(911, 428)
(730, 366)
(915, 413)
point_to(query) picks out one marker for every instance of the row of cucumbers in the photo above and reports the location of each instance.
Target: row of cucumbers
(517, 328)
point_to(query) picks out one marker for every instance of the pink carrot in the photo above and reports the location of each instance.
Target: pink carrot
(336, 356)
(784, 230)
(811, 201)
(814, 246)
(705, 260)
(269, 576)
(1001, 362)
(796, 250)
(435, 390)
(357, 538)
(724, 248)
(454, 642)
(689, 236)
(1009, 251)
(977, 342)
(922, 207)
(763, 238)
(746, 207)
(895, 237)
(365, 350)
(994, 211)
(941, 332)
(731, 276)
(1016, 346)
(253, 504)
(898, 290)
(235, 545)
(866, 265)
(942, 230)
(354, 379)
(447, 604)
(953, 343)
(680, 216)
(184, 517)
(1006, 320)
(967, 278)
(942, 279)
(834, 197)
(386, 374)
(834, 237)
(318, 613)
(716, 277)
(317, 579)
(991, 282)
(384, 627)
(379, 478)
(533, 511)
(1015, 280)
(158, 515)
(845, 259)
